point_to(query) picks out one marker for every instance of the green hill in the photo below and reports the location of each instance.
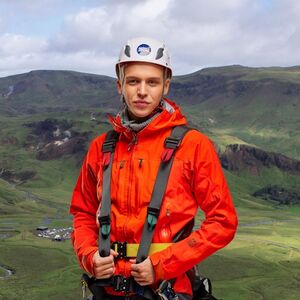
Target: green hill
(47, 119)
(256, 106)
(54, 91)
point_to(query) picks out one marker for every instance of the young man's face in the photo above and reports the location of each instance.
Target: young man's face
(143, 88)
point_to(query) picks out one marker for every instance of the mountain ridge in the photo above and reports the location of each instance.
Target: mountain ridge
(255, 105)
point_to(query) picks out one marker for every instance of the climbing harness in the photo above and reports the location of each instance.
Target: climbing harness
(141, 251)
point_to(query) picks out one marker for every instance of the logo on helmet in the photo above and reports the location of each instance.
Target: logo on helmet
(143, 49)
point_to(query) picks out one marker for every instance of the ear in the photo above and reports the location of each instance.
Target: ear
(166, 86)
(119, 87)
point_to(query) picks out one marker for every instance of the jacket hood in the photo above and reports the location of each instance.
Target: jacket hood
(167, 119)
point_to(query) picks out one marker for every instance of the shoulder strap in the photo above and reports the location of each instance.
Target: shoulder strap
(108, 148)
(171, 144)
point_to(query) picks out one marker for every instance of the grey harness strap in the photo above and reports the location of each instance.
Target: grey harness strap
(108, 149)
(118, 282)
(171, 144)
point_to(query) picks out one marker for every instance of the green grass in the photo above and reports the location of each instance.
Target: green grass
(261, 263)
(42, 271)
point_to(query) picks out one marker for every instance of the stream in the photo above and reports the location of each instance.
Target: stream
(7, 272)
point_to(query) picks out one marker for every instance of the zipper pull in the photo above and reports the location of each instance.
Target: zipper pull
(122, 164)
(140, 162)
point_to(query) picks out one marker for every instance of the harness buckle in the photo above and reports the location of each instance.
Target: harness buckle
(108, 146)
(121, 249)
(104, 222)
(121, 284)
(172, 142)
(152, 216)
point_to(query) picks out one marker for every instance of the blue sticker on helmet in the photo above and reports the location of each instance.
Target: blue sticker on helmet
(143, 49)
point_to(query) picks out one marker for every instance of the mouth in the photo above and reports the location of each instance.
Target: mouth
(143, 102)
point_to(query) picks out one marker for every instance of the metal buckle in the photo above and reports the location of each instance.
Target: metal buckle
(166, 292)
(121, 249)
(121, 284)
(84, 286)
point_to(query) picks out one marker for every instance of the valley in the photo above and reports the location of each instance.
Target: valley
(47, 121)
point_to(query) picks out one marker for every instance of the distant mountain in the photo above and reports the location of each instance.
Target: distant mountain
(242, 95)
(49, 91)
(224, 90)
(237, 104)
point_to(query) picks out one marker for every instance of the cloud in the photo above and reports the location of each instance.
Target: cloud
(15, 44)
(198, 33)
(102, 27)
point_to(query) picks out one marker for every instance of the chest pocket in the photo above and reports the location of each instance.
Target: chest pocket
(132, 183)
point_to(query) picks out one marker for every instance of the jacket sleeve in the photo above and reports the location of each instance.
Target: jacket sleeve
(84, 206)
(219, 226)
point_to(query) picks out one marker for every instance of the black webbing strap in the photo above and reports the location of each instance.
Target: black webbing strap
(171, 143)
(119, 284)
(108, 148)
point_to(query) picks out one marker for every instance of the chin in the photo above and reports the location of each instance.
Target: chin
(139, 115)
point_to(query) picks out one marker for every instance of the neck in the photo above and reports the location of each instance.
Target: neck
(136, 119)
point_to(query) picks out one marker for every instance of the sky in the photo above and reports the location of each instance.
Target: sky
(87, 35)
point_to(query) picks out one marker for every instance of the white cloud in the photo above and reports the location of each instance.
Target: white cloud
(84, 61)
(15, 44)
(198, 33)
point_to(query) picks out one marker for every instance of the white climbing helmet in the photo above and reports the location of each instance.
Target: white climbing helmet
(145, 50)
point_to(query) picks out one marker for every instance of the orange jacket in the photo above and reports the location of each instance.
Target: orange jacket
(196, 180)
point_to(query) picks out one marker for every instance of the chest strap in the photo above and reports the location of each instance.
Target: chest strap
(127, 250)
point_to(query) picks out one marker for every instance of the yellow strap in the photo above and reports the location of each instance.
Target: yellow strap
(132, 249)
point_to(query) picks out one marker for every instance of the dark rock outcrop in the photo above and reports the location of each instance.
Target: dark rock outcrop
(279, 194)
(56, 149)
(52, 139)
(49, 129)
(12, 176)
(246, 158)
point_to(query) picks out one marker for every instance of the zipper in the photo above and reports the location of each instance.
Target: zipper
(130, 171)
(122, 164)
(140, 162)
(133, 141)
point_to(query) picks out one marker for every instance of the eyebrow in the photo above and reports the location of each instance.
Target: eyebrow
(150, 78)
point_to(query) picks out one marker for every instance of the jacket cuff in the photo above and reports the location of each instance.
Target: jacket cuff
(87, 262)
(157, 267)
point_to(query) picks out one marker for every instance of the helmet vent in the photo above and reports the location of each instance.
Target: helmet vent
(127, 51)
(160, 53)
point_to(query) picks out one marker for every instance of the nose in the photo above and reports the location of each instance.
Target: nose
(142, 90)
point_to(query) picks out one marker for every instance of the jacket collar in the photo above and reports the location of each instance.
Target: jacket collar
(169, 117)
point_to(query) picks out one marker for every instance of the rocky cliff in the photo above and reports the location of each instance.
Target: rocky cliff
(243, 157)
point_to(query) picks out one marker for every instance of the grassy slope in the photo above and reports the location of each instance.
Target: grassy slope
(249, 268)
(46, 91)
(266, 115)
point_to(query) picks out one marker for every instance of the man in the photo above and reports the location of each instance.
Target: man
(196, 180)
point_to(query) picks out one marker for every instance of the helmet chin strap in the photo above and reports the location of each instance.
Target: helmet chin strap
(165, 77)
(121, 79)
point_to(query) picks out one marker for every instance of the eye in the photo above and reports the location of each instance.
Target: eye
(152, 82)
(131, 81)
